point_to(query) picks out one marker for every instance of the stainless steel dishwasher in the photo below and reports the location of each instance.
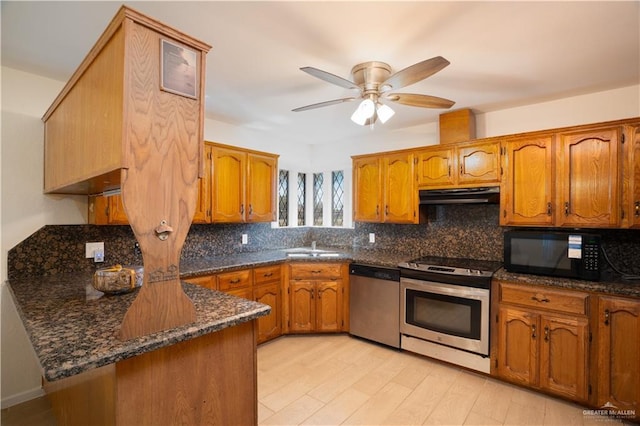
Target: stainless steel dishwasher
(374, 303)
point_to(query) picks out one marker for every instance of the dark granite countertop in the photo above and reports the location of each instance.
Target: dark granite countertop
(609, 283)
(73, 328)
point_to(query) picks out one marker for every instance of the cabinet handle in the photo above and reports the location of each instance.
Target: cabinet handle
(461, 170)
(235, 281)
(549, 209)
(541, 300)
(546, 333)
(533, 331)
(637, 208)
(241, 208)
(449, 170)
(566, 209)
(377, 209)
(386, 209)
(268, 274)
(607, 315)
(250, 209)
(316, 271)
(319, 294)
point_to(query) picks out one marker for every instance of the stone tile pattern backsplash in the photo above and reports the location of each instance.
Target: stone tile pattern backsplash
(464, 231)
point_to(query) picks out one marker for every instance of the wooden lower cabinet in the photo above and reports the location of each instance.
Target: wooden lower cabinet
(268, 290)
(316, 297)
(544, 347)
(316, 306)
(618, 353)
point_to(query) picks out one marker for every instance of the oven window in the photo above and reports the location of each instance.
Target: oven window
(446, 314)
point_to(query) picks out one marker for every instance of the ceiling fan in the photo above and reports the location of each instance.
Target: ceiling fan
(375, 82)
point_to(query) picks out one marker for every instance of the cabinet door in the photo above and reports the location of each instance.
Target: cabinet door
(203, 205)
(518, 334)
(479, 163)
(563, 356)
(527, 193)
(329, 306)
(269, 326)
(436, 167)
(302, 306)
(228, 194)
(588, 178)
(634, 178)
(367, 190)
(261, 188)
(619, 353)
(400, 193)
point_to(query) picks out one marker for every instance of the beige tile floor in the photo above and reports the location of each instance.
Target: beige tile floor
(341, 380)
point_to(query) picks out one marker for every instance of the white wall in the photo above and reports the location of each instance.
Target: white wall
(25, 98)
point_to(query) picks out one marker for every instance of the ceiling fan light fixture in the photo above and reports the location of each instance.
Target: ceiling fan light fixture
(365, 110)
(384, 112)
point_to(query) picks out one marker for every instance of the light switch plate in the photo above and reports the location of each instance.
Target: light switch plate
(92, 248)
(245, 239)
(372, 237)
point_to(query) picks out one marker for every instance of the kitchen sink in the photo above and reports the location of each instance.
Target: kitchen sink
(310, 252)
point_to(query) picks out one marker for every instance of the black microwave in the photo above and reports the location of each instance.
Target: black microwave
(560, 254)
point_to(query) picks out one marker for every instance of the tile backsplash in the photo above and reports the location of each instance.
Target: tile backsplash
(470, 231)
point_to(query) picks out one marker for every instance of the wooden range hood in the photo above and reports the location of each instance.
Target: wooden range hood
(131, 117)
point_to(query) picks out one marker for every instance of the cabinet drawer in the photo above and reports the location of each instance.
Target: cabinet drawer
(572, 302)
(319, 270)
(233, 280)
(267, 274)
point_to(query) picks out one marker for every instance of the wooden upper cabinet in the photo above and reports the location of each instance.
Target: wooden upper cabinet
(261, 187)
(243, 185)
(467, 164)
(203, 205)
(400, 192)
(479, 163)
(115, 98)
(589, 191)
(436, 167)
(528, 185)
(105, 210)
(384, 188)
(228, 191)
(367, 189)
(632, 177)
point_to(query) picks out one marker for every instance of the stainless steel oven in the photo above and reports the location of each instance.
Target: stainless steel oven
(444, 309)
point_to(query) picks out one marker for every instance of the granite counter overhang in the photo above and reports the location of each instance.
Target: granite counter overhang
(73, 328)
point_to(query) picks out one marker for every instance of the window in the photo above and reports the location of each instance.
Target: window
(283, 198)
(318, 180)
(302, 196)
(337, 198)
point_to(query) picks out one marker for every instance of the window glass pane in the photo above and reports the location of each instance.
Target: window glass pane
(337, 198)
(318, 179)
(302, 197)
(283, 198)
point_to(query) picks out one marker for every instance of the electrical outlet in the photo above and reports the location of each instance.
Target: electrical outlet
(245, 239)
(92, 248)
(372, 237)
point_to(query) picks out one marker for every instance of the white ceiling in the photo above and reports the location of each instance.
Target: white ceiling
(502, 54)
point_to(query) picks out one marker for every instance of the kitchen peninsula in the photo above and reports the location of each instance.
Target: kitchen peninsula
(201, 373)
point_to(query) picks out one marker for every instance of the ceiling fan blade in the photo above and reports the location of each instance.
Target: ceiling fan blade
(323, 104)
(424, 101)
(331, 78)
(414, 73)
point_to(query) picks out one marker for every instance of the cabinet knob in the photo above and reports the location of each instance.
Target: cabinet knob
(607, 315)
(637, 208)
(546, 333)
(533, 331)
(566, 209)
